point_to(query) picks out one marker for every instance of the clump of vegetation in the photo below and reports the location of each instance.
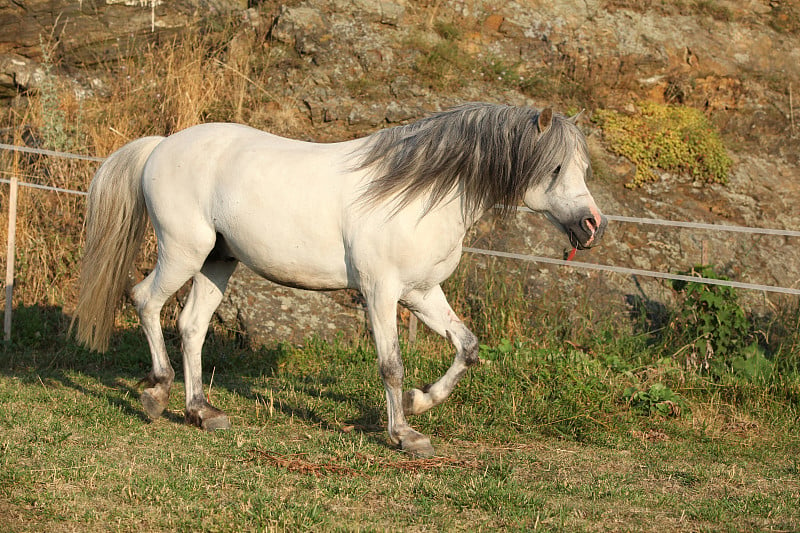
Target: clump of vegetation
(204, 75)
(441, 60)
(447, 30)
(447, 61)
(677, 139)
(657, 399)
(58, 131)
(712, 323)
(714, 10)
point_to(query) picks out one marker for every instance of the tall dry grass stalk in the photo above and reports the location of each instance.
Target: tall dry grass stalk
(221, 73)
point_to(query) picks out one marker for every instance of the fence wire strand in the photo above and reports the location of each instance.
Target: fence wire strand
(524, 257)
(44, 187)
(634, 271)
(693, 225)
(51, 153)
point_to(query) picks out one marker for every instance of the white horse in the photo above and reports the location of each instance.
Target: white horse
(385, 214)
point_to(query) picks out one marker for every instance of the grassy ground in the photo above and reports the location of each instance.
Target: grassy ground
(538, 437)
(572, 424)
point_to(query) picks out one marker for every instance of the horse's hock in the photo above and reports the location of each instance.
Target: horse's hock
(266, 313)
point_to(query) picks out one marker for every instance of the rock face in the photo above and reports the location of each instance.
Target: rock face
(269, 313)
(18, 73)
(352, 66)
(76, 33)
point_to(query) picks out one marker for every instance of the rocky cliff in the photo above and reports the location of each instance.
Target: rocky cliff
(347, 67)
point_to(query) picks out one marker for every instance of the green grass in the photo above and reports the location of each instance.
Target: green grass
(564, 427)
(538, 437)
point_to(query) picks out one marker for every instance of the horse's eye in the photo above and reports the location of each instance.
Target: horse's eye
(557, 171)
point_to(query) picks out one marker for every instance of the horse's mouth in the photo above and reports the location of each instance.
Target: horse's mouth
(586, 233)
(583, 234)
(576, 243)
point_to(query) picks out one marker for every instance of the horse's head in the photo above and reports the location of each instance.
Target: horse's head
(562, 195)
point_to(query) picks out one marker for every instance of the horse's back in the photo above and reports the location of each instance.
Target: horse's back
(293, 211)
(277, 202)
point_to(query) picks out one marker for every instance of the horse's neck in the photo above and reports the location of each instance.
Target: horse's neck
(469, 219)
(470, 216)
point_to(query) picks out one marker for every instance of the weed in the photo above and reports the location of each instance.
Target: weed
(714, 9)
(447, 30)
(657, 399)
(495, 69)
(711, 322)
(58, 133)
(752, 365)
(443, 64)
(673, 138)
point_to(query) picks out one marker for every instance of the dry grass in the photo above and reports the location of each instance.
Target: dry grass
(199, 76)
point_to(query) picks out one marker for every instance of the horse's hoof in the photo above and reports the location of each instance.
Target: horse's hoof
(217, 422)
(418, 445)
(208, 418)
(411, 397)
(154, 402)
(417, 401)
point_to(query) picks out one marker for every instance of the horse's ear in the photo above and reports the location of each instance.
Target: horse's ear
(545, 119)
(574, 118)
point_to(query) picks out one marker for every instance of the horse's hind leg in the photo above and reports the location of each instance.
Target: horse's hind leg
(208, 288)
(432, 308)
(176, 264)
(149, 297)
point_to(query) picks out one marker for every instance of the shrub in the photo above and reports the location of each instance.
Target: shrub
(673, 138)
(711, 322)
(657, 399)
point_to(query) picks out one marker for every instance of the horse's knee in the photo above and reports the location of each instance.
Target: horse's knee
(391, 368)
(138, 299)
(470, 348)
(148, 309)
(392, 372)
(186, 326)
(140, 293)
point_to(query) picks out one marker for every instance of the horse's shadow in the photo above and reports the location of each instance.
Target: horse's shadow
(648, 316)
(41, 349)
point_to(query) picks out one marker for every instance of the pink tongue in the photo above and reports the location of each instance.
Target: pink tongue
(571, 254)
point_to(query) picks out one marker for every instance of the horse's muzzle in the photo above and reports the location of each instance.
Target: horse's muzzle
(587, 231)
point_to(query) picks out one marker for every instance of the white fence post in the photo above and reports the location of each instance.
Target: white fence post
(12, 237)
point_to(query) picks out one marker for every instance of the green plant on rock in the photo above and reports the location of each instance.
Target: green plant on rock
(710, 321)
(676, 139)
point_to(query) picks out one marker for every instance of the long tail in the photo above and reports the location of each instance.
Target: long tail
(116, 221)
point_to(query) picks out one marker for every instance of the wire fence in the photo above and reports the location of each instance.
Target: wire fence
(495, 253)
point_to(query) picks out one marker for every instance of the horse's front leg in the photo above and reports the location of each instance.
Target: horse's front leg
(432, 308)
(382, 309)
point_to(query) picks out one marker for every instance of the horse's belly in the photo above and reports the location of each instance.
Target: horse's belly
(300, 274)
(295, 262)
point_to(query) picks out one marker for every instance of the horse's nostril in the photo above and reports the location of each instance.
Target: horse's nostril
(589, 225)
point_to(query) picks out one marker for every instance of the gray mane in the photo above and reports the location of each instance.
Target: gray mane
(494, 153)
